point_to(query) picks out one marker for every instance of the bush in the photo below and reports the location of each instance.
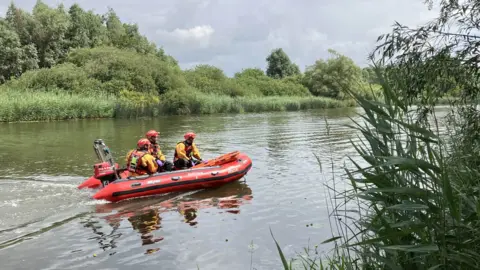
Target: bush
(66, 77)
(271, 87)
(124, 69)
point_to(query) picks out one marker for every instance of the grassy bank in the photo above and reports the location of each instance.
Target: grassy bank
(30, 106)
(37, 106)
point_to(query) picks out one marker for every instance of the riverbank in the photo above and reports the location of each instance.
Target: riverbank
(47, 106)
(51, 106)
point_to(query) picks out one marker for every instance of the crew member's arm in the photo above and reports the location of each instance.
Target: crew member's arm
(195, 152)
(128, 156)
(160, 155)
(181, 151)
(148, 161)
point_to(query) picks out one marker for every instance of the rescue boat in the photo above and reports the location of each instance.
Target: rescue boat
(118, 185)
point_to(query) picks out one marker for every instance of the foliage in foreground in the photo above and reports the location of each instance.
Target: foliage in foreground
(416, 190)
(413, 202)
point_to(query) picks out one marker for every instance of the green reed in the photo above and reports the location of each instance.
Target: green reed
(34, 106)
(412, 202)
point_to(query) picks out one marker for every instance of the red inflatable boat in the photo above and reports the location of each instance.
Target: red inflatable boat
(117, 185)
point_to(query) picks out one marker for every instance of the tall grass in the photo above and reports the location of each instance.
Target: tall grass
(34, 106)
(60, 105)
(199, 103)
(409, 204)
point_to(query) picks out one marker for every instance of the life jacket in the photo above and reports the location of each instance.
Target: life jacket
(133, 163)
(188, 151)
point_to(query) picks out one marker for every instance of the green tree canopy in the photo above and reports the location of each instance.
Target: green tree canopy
(279, 65)
(14, 58)
(333, 77)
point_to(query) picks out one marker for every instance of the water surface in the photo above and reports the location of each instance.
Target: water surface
(46, 223)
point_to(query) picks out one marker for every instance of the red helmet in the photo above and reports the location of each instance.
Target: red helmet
(189, 135)
(152, 133)
(142, 143)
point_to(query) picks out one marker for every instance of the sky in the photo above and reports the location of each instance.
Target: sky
(237, 34)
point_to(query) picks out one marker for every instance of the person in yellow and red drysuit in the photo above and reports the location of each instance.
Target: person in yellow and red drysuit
(163, 164)
(185, 151)
(140, 161)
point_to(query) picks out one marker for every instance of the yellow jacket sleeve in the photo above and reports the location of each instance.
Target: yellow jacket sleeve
(128, 156)
(160, 155)
(181, 151)
(195, 151)
(148, 161)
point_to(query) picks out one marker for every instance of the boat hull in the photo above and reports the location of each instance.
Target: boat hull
(175, 181)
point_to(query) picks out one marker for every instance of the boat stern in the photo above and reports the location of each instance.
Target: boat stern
(91, 182)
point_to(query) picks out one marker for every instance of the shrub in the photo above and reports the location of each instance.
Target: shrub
(125, 69)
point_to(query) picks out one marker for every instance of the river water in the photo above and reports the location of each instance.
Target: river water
(46, 223)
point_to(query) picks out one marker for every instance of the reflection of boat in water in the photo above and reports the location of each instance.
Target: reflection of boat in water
(145, 214)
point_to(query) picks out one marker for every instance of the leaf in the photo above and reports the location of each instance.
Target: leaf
(408, 207)
(284, 261)
(399, 190)
(319, 162)
(412, 248)
(331, 239)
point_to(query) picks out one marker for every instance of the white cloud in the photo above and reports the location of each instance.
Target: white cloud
(196, 37)
(200, 32)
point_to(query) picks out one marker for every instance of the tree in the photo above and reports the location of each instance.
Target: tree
(49, 33)
(86, 28)
(334, 77)
(21, 22)
(425, 52)
(14, 58)
(427, 61)
(279, 65)
(115, 29)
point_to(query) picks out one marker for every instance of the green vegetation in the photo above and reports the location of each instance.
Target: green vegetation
(54, 53)
(30, 106)
(413, 199)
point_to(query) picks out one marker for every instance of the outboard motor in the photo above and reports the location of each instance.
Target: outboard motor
(102, 151)
(106, 170)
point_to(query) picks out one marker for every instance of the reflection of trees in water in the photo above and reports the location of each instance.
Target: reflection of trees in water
(286, 130)
(277, 140)
(49, 139)
(106, 241)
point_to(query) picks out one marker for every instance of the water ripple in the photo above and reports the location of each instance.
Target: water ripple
(45, 217)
